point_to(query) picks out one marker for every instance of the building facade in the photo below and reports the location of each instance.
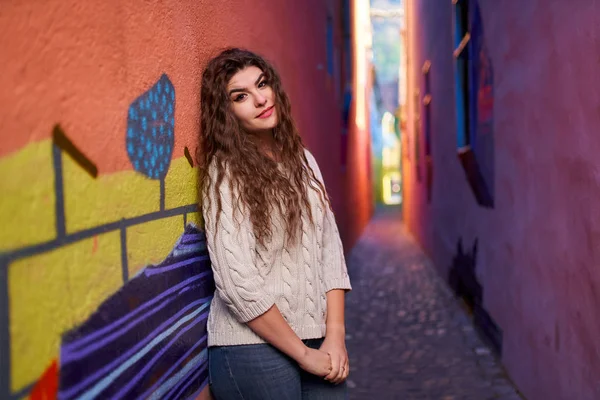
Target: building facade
(104, 277)
(501, 176)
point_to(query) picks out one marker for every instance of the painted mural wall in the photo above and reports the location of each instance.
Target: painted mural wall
(513, 219)
(105, 282)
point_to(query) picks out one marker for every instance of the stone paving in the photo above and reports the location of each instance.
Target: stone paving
(407, 336)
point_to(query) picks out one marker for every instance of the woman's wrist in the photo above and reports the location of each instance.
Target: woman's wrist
(336, 330)
(299, 353)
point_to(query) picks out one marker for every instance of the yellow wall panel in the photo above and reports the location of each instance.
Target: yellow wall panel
(196, 218)
(151, 242)
(91, 202)
(53, 292)
(181, 184)
(27, 197)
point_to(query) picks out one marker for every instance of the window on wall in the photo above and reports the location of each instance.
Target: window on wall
(474, 101)
(461, 54)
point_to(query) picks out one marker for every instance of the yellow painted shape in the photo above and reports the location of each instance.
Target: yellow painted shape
(196, 219)
(91, 202)
(181, 184)
(54, 292)
(151, 242)
(27, 197)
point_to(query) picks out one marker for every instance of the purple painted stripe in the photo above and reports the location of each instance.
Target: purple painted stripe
(140, 375)
(128, 354)
(73, 354)
(190, 247)
(167, 375)
(188, 380)
(69, 355)
(159, 270)
(192, 237)
(197, 393)
(70, 347)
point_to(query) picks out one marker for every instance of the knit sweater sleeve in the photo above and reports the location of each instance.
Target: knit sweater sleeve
(231, 245)
(335, 270)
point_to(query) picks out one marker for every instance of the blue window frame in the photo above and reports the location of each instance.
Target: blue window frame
(474, 101)
(461, 73)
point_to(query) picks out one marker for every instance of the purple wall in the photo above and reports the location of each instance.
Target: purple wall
(538, 258)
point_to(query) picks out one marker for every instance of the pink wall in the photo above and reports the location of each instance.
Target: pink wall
(539, 247)
(82, 66)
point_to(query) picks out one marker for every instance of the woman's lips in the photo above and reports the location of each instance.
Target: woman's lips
(266, 113)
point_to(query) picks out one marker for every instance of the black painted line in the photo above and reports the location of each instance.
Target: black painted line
(184, 220)
(59, 206)
(91, 232)
(65, 144)
(186, 153)
(124, 263)
(4, 334)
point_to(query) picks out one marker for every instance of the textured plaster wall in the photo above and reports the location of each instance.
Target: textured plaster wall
(539, 247)
(358, 197)
(82, 215)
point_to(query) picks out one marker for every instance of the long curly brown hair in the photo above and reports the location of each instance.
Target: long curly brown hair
(224, 145)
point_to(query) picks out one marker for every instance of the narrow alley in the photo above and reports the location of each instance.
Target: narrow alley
(479, 117)
(407, 336)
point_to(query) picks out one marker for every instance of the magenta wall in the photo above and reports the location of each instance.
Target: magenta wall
(539, 247)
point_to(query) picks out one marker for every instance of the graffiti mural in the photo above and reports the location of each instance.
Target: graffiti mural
(150, 137)
(107, 296)
(149, 339)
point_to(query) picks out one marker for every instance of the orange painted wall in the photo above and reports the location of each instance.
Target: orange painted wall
(81, 65)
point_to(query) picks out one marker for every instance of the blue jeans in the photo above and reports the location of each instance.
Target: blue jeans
(261, 372)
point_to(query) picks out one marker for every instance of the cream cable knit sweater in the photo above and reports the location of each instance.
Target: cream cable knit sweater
(250, 280)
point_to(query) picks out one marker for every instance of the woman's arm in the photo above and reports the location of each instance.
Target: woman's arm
(337, 282)
(274, 329)
(335, 338)
(335, 313)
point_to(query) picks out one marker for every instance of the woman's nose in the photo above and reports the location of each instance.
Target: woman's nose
(260, 100)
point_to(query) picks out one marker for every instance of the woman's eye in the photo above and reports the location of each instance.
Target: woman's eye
(262, 84)
(239, 97)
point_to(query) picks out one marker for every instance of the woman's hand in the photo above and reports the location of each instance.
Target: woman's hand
(316, 362)
(335, 346)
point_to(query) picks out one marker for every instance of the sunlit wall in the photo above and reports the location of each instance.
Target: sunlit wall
(98, 205)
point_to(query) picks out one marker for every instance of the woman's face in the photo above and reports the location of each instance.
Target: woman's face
(252, 100)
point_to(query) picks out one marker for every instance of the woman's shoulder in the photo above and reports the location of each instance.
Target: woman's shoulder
(312, 162)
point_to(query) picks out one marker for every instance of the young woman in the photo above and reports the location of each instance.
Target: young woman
(276, 324)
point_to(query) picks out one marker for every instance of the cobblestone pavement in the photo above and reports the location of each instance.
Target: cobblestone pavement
(407, 336)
